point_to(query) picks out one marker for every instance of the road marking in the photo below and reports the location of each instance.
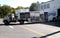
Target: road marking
(11, 27)
(28, 25)
(29, 29)
(51, 37)
(34, 31)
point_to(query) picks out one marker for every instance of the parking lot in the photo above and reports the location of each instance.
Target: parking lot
(30, 30)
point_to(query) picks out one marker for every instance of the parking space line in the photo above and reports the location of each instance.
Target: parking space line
(34, 31)
(51, 37)
(11, 27)
(29, 29)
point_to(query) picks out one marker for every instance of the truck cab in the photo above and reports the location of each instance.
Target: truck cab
(7, 19)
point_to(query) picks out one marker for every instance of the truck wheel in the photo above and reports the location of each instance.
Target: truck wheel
(6, 22)
(54, 19)
(21, 22)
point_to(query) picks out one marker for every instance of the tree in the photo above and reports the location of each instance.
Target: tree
(5, 9)
(1, 15)
(26, 8)
(19, 7)
(12, 10)
(33, 7)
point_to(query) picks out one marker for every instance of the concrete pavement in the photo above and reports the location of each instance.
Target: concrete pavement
(44, 30)
(17, 32)
(29, 31)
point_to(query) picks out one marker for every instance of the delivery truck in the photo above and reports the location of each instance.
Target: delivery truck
(19, 16)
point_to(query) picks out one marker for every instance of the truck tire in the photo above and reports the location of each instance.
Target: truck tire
(54, 19)
(21, 22)
(6, 22)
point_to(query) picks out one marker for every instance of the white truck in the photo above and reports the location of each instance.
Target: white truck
(19, 16)
(22, 16)
(32, 16)
(52, 15)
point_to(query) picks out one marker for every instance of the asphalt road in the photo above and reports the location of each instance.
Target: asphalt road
(39, 30)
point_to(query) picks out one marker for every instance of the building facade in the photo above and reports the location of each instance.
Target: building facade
(49, 9)
(50, 5)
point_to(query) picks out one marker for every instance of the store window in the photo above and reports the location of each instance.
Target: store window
(44, 6)
(48, 5)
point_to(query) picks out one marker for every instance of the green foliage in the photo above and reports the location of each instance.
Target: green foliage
(26, 8)
(5, 9)
(19, 7)
(33, 7)
(12, 10)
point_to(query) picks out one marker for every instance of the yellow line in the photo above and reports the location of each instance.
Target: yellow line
(51, 37)
(29, 29)
(39, 33)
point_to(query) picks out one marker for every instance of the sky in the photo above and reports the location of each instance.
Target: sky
(15, 3)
